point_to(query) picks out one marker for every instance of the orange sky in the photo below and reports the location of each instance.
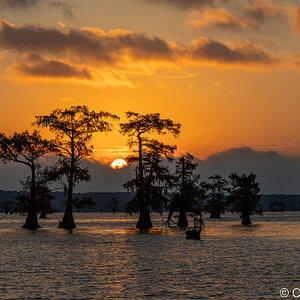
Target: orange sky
(228, 72)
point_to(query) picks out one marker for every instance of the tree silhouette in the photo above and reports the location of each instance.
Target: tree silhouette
(84, 203)
(43, 196)
(26, 149)
(114, 204)
(215, 195)
(244, 195)
(187, 194)
(8, 206)
(157, 178)
(73, 128)
(137, 128)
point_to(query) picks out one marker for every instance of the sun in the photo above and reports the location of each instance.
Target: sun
(118, 164)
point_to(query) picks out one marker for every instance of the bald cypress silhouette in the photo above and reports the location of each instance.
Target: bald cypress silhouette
(187, 195)
(44, 196)
(26, 148)
(73, 128)
(215, 190)
(157, 177)
(137, 129)
(114, 202)
(244, 195)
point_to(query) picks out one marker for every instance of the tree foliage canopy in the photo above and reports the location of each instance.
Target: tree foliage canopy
(215, 194)
(157, 177)
(244, 193)
(139, 124)
(74, 127)
(43, 196)
(24, 147)
(186, 185)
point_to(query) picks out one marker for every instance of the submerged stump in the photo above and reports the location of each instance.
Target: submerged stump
(182, 220)
(215, 215)
(246, 220)
(31, 221)
(193, 234)
(144, 221)
(67, 221)
(43, 215)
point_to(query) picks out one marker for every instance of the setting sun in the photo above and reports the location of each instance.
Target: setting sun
(118, 164)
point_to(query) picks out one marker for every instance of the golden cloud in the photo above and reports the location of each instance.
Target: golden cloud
(91, 55)
(37, 66)
(252, 16)
(215, 17)
(295, 18)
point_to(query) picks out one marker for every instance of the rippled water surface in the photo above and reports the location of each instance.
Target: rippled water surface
(105, 257)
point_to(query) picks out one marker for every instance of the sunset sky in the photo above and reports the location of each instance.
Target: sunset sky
(229, 71)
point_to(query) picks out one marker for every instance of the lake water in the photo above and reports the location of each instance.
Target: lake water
(105, 257)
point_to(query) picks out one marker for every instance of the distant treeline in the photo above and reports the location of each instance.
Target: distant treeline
(268, 202)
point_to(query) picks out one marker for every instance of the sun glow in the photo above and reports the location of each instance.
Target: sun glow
(118, 164)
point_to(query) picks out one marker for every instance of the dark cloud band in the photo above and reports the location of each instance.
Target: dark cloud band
(246, 53)
(38, 66)
(93, 46)
(18, 4)
(184, 4)
(83, 45)
(65, 8)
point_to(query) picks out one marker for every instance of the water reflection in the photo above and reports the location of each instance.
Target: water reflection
(106, 257)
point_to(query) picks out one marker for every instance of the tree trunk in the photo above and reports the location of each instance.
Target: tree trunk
(215, 215)
(68, 220)
(144, 221)
(169, 217)
(31, 220)
(43, 215)
(246, 219)
(182, 220)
